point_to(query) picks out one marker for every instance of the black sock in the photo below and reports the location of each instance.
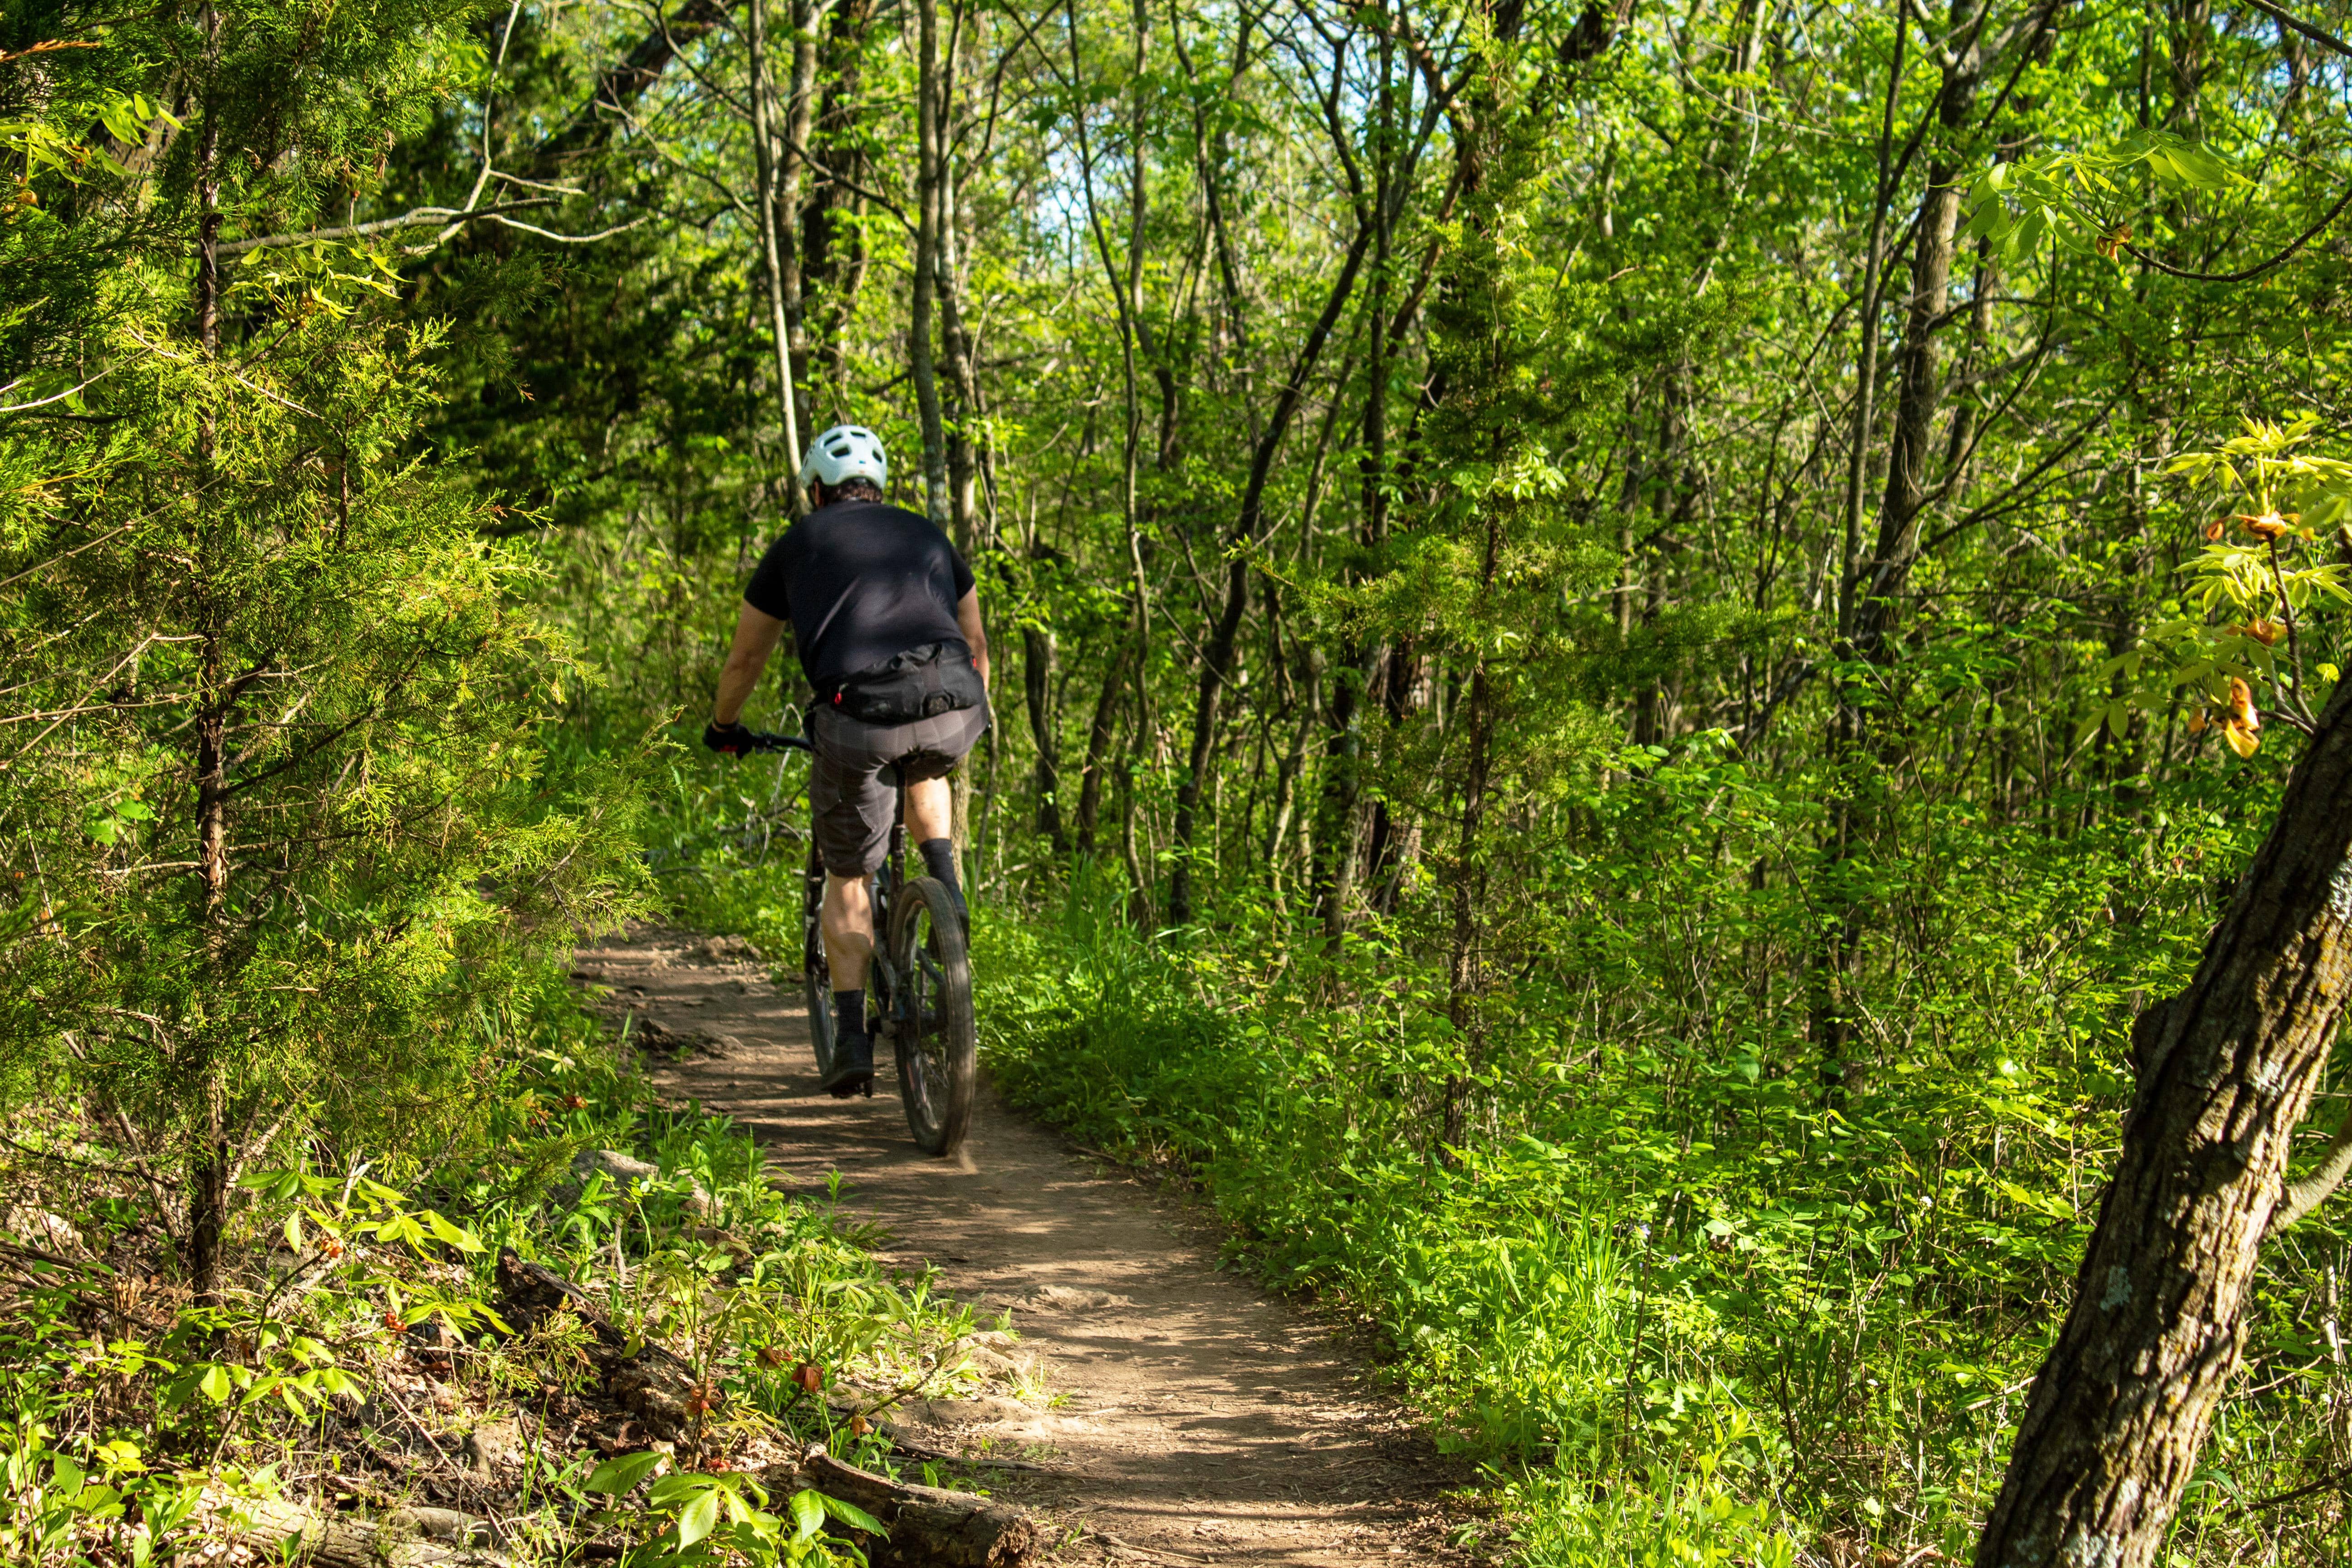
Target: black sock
(849, 1013)
(939, 859)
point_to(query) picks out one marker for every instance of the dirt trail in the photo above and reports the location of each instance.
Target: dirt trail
(1199, 1418)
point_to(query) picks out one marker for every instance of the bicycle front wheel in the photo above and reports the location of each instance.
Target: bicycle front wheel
(814, 973)
(938, 1046)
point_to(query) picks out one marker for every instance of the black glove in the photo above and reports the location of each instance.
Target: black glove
(727, 740)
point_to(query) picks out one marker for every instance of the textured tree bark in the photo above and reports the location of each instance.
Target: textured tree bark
(2227, 1070)
(408, 1539)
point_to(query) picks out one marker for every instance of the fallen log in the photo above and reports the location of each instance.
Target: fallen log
(927, 1526)
(650, 1380)
(409, 1538)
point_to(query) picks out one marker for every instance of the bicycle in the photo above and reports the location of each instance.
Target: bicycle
(918, 992)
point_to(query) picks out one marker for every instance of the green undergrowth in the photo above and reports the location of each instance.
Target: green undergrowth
(365, 1340)
(1678, 1306)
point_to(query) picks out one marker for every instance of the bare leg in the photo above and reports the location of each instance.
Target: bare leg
(848, 922)
(930, 811)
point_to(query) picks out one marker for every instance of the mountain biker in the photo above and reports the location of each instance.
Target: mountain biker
(887, 628)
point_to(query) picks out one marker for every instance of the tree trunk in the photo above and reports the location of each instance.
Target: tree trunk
(1098, 737)
(770, 243)
(208, 1172)
(1216, 659)
(962, 449)
(921, 351)
(1037, 652)
(1335, 878)
(799, 117)
(1462, 965)
(930, 1527)
(1868, 612)
(832, 264)
(2227, 1070)
(287, 1532)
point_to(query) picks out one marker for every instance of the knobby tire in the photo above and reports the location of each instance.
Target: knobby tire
(815, 974)
(938, 1046)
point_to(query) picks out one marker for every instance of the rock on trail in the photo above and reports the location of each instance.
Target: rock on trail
(1199, 1419)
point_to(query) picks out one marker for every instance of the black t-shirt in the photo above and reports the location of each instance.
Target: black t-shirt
(861, 582)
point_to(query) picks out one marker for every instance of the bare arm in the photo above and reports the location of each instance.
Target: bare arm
(756, 635)
(974, 634)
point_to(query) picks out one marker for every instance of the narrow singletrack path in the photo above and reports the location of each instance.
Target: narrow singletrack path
(1199, 1419)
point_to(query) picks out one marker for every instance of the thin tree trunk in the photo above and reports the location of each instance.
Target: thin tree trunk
(799, 117)
(1125, 287)
(920, 347)
(1037, 661)
(1462, 964)
(832, 243)
(1098, 738)
(778, 320)
(1342, 787)
(1217, 657)
(1831, 956)
(1286, 795)
(208, 1173)
(955, 337)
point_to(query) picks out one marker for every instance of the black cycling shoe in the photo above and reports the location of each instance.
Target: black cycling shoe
(853, 1073)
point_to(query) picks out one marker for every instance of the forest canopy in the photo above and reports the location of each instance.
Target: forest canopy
(1637, 649)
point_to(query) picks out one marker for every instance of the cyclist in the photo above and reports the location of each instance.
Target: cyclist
(887, 628)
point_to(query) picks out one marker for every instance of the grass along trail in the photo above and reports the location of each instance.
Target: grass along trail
(1196, 1418)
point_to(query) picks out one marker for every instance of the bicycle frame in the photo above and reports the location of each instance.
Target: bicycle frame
(918, 982)
(882, 896)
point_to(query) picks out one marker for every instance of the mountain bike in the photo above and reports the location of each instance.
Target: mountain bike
(918, 991)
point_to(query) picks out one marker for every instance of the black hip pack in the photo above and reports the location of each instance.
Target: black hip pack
(920, 683)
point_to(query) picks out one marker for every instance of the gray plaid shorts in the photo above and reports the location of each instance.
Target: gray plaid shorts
(852, 805)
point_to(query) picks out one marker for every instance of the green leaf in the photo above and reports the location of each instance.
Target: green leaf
(617, 1477)
(215, 1385)
(857, 1518)
(808, 1514)
(698, 1517)
(455, 1235)
(400, 1227)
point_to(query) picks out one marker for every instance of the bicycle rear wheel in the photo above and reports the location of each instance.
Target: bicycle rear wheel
(938, 1046)
(815, 974)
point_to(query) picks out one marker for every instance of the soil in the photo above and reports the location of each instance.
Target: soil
(1194, 1416)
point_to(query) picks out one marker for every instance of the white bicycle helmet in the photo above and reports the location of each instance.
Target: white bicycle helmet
(846, 452)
